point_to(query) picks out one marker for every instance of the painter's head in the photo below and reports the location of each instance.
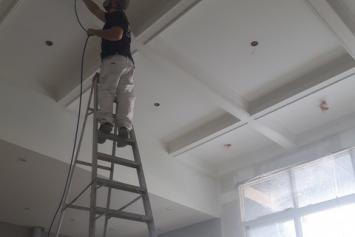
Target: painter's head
(115, 4)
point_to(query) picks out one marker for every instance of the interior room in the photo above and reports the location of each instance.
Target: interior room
(244, 119)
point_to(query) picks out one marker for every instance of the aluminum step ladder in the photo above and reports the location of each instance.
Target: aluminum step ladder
(96, 212)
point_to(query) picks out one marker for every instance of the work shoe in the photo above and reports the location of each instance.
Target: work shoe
(105, 129)
(123, 134)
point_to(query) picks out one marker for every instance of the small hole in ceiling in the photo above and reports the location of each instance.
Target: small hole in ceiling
(22, 159)
(254, 43)
(49, 43)
(227, 146)
(157, 104)
(27, 209)
(324, 107)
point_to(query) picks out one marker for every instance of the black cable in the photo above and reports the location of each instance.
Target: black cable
(77, 16)
(67, 181)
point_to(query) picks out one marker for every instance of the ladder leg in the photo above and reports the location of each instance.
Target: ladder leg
(92, 220)
(142, 182)
(71, 172)
(114, 143)
(95, 180)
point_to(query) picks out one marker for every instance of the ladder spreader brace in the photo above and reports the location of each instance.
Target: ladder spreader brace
(98, 182)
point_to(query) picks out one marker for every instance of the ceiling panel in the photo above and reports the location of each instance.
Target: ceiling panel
(306, 114)
(26, 60)
(182, 106)
(216, 36)
(243, 141)
(346, 10)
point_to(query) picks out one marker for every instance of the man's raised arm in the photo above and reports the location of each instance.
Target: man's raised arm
(95, 9)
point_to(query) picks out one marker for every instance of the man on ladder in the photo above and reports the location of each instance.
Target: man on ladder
(115, 82)
(117, 67)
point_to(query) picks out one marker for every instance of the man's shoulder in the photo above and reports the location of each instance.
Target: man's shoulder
(117, 16)
(119, 13)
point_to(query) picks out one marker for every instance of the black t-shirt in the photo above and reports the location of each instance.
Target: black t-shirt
(123, 46)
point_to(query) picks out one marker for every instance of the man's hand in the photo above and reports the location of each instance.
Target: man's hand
(91, 32)
(95, 9)
(112, 34)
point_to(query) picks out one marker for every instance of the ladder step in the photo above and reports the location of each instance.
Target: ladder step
(112, 137)
(117, 160)
(122, 215)
(89, 164)
(121, 186)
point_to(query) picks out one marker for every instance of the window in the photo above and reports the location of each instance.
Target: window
(313, 199)
(286, 228)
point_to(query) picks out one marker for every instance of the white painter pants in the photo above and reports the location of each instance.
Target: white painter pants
(116, 80)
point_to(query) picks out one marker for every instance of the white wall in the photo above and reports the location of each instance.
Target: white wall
(36, 122)
(211, 228)
(231, 221)
(9, 230)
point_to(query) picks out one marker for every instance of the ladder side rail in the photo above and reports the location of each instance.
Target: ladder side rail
(114, 143)
(92, 219)
(71, 173)
(142, 182)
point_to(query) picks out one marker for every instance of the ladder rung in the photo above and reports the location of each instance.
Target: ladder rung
(117, 160)
(120, 186)
(79, 207)
(89, 164)
(122, 215)
(117, 139)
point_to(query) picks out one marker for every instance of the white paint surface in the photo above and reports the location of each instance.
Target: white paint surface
(216, 36)
(213, 40)
(37, 123)
(231, 220)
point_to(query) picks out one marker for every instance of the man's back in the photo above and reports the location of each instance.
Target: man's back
(123, 46)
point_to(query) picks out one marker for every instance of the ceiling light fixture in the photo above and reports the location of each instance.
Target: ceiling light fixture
(254, 43)
(49, 43)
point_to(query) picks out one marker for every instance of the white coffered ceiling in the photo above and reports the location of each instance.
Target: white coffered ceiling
(194, 58)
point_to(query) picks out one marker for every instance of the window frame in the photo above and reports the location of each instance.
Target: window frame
(296, 213)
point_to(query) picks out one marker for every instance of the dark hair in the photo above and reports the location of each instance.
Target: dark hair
(123, 4)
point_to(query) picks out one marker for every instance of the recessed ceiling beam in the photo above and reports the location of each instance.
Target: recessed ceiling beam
(203, 134)
(228, 100)
(145, 37)
(6, 6)
(341, 70)
(307, 139)
(335, 23)
(324, 76)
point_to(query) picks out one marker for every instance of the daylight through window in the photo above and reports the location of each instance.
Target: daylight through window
(313, 199)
